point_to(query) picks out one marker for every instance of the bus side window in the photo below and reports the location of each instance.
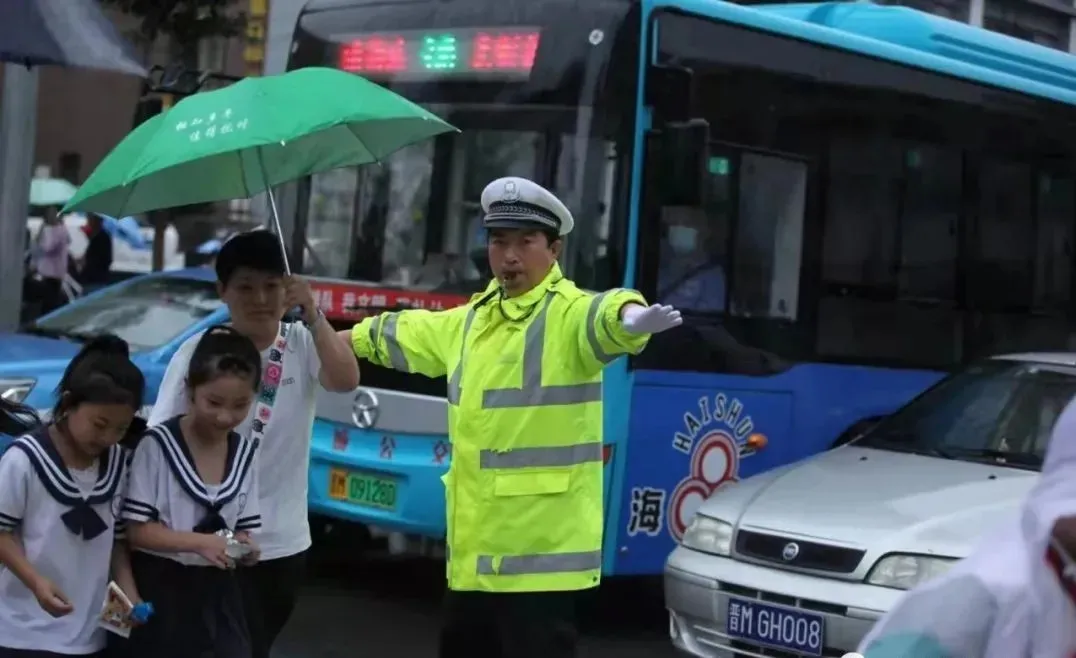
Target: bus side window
(769, 237)
(1020, 279)
(890, 252)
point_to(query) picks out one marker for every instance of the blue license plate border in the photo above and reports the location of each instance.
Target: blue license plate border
(755, 607)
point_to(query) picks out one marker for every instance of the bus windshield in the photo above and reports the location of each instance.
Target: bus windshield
(415, 221)
(531, 96)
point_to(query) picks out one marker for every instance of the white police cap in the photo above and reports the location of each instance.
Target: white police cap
(514, 202)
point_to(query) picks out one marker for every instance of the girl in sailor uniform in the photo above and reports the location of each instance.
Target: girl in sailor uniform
(192, 477)
(61, 488)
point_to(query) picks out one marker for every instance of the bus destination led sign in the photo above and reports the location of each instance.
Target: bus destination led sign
(504, 53)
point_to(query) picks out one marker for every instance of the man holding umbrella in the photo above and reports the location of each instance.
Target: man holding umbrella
(524, 360)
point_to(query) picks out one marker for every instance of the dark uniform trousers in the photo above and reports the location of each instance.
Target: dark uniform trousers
(270, 590)
(509, 625)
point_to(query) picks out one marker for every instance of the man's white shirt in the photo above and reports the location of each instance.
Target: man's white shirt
(284, 454)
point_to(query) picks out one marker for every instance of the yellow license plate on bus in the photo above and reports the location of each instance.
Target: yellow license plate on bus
(363, 489)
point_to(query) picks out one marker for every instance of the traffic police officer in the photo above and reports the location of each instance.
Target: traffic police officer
(524, 363)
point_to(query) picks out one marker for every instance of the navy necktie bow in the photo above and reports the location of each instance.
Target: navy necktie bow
(83, 521)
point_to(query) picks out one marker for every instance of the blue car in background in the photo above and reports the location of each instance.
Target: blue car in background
(154, 313)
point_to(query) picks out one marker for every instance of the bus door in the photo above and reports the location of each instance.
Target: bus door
(705, 402)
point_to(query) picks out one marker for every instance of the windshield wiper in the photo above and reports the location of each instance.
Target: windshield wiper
(903, 442)
(1016, 459)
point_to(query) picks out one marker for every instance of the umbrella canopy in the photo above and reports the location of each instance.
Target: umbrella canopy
(64, 33)
(237, 141)
(50, 191)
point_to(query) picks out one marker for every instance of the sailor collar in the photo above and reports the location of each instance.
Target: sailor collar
(239, 458)
(81, 519)
(56, 477)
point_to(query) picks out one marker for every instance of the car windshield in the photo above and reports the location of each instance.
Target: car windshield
(997, 411)
(147, 313)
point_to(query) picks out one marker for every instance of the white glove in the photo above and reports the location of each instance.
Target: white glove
(650, 320)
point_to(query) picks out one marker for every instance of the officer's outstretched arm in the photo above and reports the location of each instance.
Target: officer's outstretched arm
(410, 341)
(601, 336)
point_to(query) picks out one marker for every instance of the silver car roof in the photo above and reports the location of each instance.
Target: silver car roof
(1053, 358)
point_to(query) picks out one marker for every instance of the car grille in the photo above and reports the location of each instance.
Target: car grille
(818, 557)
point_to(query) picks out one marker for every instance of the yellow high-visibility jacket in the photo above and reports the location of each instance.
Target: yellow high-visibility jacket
(524, 491)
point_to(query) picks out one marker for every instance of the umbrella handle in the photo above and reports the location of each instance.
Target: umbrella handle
(273, 212)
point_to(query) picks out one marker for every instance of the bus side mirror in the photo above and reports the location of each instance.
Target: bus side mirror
(680, 166)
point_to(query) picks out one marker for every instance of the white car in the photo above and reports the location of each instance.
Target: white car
(802, 560)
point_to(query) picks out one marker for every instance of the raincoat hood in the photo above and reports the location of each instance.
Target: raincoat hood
(1004, 600)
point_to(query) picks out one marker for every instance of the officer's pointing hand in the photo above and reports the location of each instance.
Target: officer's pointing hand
(650, 320)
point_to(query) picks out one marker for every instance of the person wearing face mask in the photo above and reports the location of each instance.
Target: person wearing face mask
(688, 275)
(524, 361)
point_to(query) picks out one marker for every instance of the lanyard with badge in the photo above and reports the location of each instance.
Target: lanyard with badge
(271, 378)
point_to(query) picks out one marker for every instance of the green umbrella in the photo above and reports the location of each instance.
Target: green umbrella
(240, 140)
(50, 191)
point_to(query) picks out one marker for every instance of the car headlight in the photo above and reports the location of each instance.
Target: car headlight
(16, 390)
(708, 535)
(904, 571)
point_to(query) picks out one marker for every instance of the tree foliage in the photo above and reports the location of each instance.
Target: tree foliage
(185, 21)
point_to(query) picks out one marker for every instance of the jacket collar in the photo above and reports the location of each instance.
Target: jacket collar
(532, 296)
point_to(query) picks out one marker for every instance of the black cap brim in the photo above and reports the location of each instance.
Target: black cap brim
(518, 223)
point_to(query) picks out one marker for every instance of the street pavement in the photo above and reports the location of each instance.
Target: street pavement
(375, 605)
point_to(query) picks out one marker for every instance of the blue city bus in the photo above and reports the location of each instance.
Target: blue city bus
(846, 200)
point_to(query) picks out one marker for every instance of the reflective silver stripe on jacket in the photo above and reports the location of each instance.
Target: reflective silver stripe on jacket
(374, 329)
(397, 358)
(518, 565)
(592, 331)
(545, 456)
(457, 374)
(533, 394)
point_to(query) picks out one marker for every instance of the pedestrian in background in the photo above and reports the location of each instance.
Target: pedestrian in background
(50, 259)
(524, 491)
(252, 281)
(96, 265)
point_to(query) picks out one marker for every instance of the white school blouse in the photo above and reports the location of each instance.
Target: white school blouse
(284, 454)
(165, 487)
(67, 521)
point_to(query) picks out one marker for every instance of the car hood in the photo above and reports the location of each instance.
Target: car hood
(875, 498)
(24, 354)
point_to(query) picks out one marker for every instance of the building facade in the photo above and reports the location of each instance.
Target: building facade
(82, 114)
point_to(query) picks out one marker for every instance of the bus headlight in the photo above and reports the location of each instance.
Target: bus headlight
(16, 390)
(904, 571)
(708, 535)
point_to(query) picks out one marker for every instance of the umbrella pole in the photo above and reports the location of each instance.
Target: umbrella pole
(276, 225)
(273, 212)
